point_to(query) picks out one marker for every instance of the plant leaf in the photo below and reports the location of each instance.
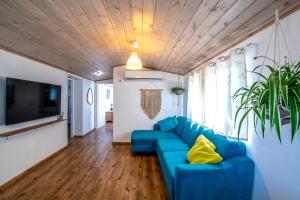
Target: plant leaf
(294, 117)
(297, 66)
(242, 120)
(259, 74)
(263, 117)
(256, 112)
(238, 111)
(258, 117)
(239, 92)
(272, 69)
(285, 94)
(255, 120)
(277, 121)
(261, 96)
(243, 96)
(272, 101)
(297, 93)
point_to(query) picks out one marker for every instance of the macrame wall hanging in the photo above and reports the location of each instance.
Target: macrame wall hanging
(151, 101)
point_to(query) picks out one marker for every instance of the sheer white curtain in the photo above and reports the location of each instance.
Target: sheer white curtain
(223, 98)
(209, 96)
(211, 89)
(190, 95)
(195, 112)
(238, 79)
(197, 99)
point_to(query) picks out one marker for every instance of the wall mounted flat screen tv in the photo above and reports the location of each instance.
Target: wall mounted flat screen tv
(28, 100)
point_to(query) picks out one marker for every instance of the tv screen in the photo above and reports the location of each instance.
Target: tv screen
(28, 100)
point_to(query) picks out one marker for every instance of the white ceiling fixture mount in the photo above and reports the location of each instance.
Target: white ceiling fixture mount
(134, 62)
(135, 44)
(98, 73)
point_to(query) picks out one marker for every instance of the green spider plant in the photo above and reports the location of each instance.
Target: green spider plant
(267, 97)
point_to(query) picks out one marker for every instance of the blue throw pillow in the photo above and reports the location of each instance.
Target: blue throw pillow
(226, 147)
(186, 128)
(175, 121)
(208, 133)
(200, 129)
(190, 134)
(166, 124)
(156, 127)
(181, 122)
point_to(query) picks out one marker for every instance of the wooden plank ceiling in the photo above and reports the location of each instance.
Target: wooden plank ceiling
(82, 36)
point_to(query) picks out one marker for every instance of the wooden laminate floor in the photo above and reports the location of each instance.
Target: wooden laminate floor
(92, 168)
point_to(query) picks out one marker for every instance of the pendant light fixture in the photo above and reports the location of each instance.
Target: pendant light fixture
(134, 62)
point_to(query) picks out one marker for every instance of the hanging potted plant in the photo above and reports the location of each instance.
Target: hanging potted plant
(276, 97)
(177, 90)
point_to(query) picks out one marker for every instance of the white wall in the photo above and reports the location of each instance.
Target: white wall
(20, 152)
(128, 114)
(85, 119)
(88, 110)
(96, 106)
(277, 165)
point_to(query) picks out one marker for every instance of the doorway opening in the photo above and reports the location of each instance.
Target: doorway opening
(105, 104)
(70, 114)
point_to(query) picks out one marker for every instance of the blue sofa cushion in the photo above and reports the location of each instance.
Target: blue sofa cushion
(146, 136)
(208, 133)
(156, 127)
(226, 147)
(149, 147)
(230, 179)
(171, 144)
(175, 121)
(190, 134)
(167, 124)
(181, 122)
(189, 129)
(172, 159)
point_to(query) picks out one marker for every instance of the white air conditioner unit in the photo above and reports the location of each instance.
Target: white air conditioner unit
(149, 74)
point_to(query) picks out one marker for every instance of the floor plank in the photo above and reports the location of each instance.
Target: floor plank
(92, 168)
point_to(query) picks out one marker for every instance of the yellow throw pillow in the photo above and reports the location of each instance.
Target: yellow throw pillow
(203, 152)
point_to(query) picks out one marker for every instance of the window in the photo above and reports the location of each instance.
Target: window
(211, 89)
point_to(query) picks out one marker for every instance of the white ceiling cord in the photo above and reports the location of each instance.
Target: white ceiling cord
(277, 32)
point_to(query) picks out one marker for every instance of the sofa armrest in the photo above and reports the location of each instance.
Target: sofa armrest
(231, 179)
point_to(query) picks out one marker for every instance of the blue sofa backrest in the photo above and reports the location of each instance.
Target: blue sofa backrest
(181, 122)
(190, 132)
(226, 147)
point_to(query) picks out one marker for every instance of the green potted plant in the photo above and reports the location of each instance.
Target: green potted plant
(275, 97)
(177, 90)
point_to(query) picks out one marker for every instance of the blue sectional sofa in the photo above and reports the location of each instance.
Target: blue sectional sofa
(230, 179)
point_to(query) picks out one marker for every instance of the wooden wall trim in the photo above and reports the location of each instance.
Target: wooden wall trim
(121, 143)
(25, 129)
(18, 177)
